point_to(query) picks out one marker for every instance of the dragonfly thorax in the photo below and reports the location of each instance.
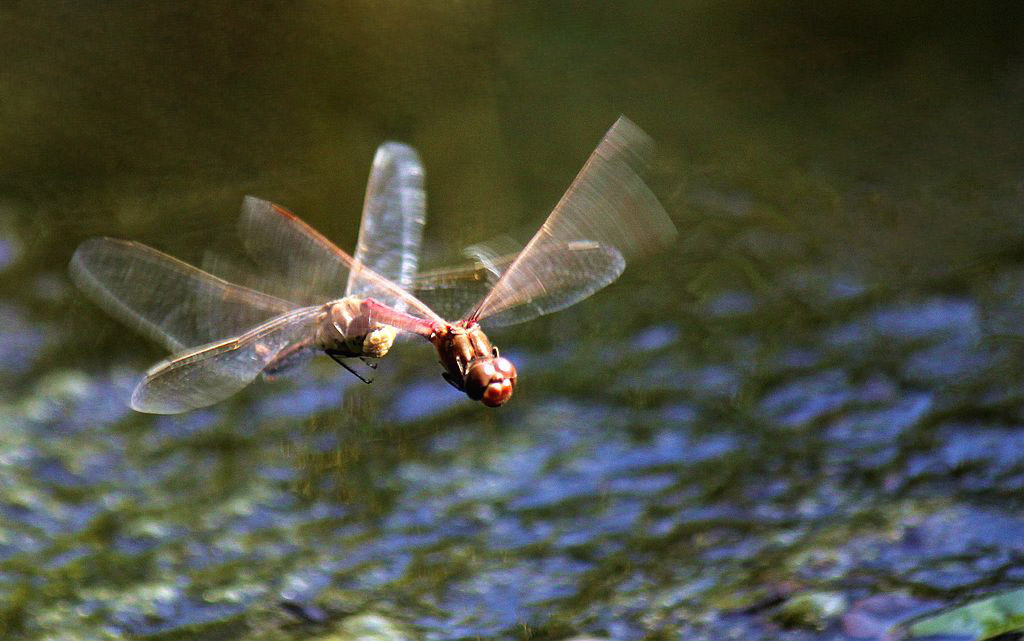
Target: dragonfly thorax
(473, 365)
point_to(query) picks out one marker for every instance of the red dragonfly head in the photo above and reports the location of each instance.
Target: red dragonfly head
(490, 380)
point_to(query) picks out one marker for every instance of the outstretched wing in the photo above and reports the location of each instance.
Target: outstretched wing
(391, 230)
(165, 299)
(452, 291)
(276, 239)
(290, 252)
(208, 374)
(608, 216)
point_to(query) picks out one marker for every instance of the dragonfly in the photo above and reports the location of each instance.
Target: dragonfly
(240, 332)
(608, 216)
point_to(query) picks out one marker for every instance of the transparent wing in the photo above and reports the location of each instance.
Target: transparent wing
(240, 271)
(165, 299)
(391, 230)
(608, 207)
(293, 253)
(277, 240)
(211, 373)
(451, 291)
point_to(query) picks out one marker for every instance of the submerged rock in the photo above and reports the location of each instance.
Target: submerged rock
(370, 627)
(814, 610)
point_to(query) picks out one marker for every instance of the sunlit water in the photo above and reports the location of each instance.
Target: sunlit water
(817, 392)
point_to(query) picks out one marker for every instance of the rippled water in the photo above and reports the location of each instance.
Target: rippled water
(801, 422)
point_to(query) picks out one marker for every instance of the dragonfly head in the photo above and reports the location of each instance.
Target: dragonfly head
(378, 341)
(490, 380)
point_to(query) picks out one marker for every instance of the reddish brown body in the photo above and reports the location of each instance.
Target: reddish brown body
(473, 365)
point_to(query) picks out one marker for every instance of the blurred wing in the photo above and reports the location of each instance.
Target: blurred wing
(213, 372)
(165, 299)
(276, 239)
(451, 291)
(607, 207)
(292, 252)
(392, 225)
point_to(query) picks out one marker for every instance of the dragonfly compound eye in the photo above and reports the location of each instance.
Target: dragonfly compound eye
(491, 380)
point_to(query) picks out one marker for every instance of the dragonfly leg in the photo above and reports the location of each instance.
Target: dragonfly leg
(452, 381)
(340, 360)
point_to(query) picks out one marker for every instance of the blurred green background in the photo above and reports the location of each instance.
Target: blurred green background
(850, 126)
